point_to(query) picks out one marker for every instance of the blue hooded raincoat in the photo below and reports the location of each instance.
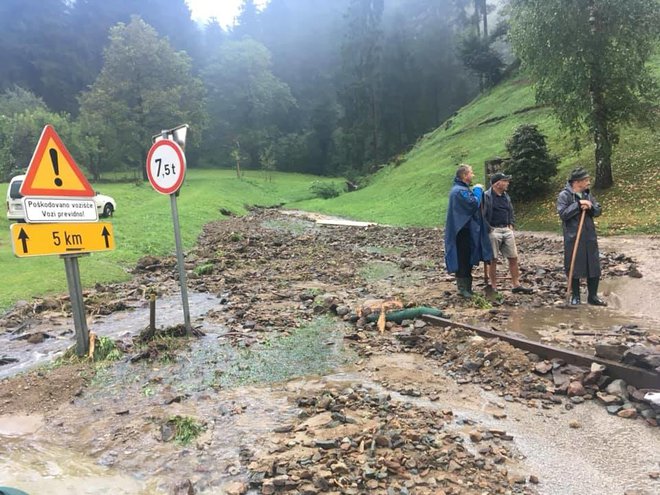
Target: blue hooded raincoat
(463, 210)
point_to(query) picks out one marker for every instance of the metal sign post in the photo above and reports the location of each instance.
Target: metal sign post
(77, 304)
(179, 261)
(166, 168)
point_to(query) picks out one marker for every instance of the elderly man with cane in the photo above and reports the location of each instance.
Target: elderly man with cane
(577, 208)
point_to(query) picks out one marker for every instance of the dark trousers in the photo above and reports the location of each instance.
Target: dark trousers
(463, 251)
(592, 286)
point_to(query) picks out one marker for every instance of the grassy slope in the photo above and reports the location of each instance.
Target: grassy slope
(415, 192)
(143, 225)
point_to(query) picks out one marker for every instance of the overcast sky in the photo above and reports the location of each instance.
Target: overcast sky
(224, 10)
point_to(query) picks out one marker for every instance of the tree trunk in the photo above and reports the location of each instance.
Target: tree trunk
(600, 127)
(145, 176)
(603, 155)
(374, 124)
(484, 13)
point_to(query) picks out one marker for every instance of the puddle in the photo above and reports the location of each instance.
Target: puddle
(634, 296)
(629, 303)
(540, 322)
(41, 468)
(118, 324)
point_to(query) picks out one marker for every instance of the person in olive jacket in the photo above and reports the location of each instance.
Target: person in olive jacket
(572, 200)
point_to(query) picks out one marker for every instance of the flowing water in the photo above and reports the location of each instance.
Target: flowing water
(61, 335)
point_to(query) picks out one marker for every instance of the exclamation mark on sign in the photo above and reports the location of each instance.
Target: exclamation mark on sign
(56, 167)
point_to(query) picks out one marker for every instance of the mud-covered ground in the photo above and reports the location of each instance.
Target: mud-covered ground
(296, 390)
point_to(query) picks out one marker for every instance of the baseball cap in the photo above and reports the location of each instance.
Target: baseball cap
(496, 177)
(578, 173)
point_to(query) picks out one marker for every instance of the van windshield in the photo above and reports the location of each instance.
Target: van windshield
(14, 190)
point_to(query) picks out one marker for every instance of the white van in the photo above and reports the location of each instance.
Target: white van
(105, 205)
(14, 204)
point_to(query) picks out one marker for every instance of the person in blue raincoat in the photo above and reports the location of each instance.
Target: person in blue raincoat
(466, 234)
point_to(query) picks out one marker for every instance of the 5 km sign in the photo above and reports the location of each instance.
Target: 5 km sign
(166, 166)
(39, 239)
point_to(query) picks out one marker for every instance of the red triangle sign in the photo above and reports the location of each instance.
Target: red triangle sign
(53, 171)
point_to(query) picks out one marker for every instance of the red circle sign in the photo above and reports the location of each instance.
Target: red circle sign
(166, 166)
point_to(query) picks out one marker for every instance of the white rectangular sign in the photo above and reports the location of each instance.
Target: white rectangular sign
(57, 210)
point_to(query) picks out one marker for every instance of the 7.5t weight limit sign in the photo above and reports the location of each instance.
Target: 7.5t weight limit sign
(166, 166)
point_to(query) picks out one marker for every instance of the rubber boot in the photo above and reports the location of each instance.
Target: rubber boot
(462, 284)
(468, 285)
(592, 288)
(575, 290)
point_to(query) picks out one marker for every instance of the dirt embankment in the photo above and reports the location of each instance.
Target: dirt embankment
(419, 410)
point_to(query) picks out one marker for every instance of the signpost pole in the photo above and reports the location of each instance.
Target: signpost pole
(77, 305)
(182, 268)
(179, 257)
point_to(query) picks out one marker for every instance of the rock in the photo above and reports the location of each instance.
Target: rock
(618, 388)
(642, 356)
(325, 444)
(476, 436)
(627, 413)
(268, 488)
(575, 389)
(543, 367)
(613, 409)
(597, 368)
(184, 488)
(608, 399)
(308, 490)
(575, 424)
(235, 488)
(592, 378)
(534, 479)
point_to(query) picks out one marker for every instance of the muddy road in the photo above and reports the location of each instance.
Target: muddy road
(293, 388)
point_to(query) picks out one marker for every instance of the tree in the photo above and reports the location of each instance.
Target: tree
(247, 22)
(362, 84)
(531, 164)
(268, 162)
(587, 58)
(38, 52)
(144, 86)
(480, 58)
(246, 102)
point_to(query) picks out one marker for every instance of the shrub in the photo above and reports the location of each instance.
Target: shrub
(531, 164)
(325, 190)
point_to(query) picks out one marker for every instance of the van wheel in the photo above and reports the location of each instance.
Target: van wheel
(107, 210)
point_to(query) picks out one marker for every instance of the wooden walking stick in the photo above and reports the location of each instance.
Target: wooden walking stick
(574, 255)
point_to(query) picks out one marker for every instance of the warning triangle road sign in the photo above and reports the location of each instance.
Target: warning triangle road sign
(53, 171)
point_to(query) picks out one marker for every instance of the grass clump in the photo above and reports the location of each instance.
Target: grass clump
(186, 429)
(105, 349)
(205, 269)
(325, 190)
(480, 302)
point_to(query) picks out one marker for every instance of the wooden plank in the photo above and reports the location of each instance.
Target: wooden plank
(637, 377)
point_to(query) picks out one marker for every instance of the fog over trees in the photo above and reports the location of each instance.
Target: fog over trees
(326, 87)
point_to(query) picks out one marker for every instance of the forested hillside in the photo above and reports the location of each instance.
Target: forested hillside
(415, 190)
(330, 88)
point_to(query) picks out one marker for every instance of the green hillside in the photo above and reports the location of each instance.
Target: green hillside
(415, 191)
